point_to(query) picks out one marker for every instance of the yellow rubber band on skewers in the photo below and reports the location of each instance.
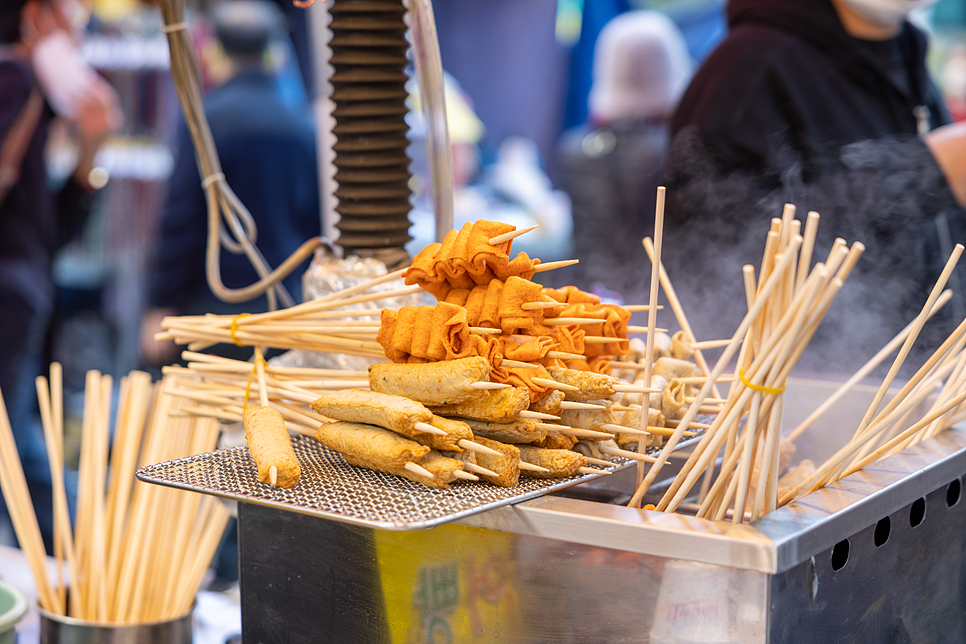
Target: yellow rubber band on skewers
(761, 388)
(248, 386)
(234, 327)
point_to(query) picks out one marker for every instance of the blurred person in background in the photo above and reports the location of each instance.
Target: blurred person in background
(267, 153)
(828, 105)
(611, 168)
(41, 78)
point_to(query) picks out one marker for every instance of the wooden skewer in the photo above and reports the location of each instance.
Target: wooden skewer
(700, 380)
(483, 330)
(623, 364)
(621, 429)
(476, 447)
(515, 364)
(429, 429)
(625, 407)
(549, 266)
(563, 355)
(575, 431)
(674, 423)
(602, 339)
(710, 344)
(273, 475)
(418, 470)
(623, 453)
(537, 306)
(599, 461)
(590, 470)
(553, 384)
(635, 308)
(570, 404)
(640, 329)
(571, 321)
(635, 389)
(473, 467)
(513, 234)
(466, 476)
(668, 431)
(536, 415)
(523, 465)
(711, 401)
(483, 386)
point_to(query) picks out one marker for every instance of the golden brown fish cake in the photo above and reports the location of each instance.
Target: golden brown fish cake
(593, 386)
(560, 462)
(496, 406)
(432, 383)
(521, 430)
(369, 446)
(270, 446)
(373, 408)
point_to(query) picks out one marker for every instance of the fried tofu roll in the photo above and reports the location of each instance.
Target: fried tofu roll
(560, 462)
(521, 430)
(589, 418)
(270, 446)
(633, 419)
(593, 386)
(372, 408)
(556, 440)
(371, 447)
(671, 368)
(506, 466)
(433, 383)
(672, 398)
(549, 404)
(495, 406)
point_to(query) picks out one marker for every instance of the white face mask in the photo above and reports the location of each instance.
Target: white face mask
(886, 12)
(64, 77)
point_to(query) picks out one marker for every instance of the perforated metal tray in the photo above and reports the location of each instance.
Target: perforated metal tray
(333, 489)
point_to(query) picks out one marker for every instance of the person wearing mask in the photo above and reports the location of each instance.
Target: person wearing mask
(828, 105)
(611, 168)
(42, 78)
(267, 153)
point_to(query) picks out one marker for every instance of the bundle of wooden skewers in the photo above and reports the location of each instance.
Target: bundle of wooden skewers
(742, 454)
(137, 553)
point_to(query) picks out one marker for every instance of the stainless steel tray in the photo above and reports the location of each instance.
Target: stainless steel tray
(333, 489)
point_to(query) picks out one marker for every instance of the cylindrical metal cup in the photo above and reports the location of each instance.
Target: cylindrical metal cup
(57, 629)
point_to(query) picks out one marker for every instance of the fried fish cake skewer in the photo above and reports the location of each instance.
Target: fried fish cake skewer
(590, 385)
(560, 462)
(401, 415)
(502, 406)
(505, 467)
(432, 383)
(270, 447)
(519, 431)
(379, 449)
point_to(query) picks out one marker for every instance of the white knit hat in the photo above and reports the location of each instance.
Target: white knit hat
(641, 67)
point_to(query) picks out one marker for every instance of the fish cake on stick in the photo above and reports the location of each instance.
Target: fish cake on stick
(456, 431)
(431, 383)
(550, 403)
(560, 462)
(443, 470)
(506, 466)
(521, 430)
(556, 440)
(592, 386)
(496, 406)
(399, 414)
(270, 446)
(594, 419)
(372, 447)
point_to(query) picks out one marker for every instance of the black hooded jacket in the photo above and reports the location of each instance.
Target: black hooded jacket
(789, 74)
(791, 109)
